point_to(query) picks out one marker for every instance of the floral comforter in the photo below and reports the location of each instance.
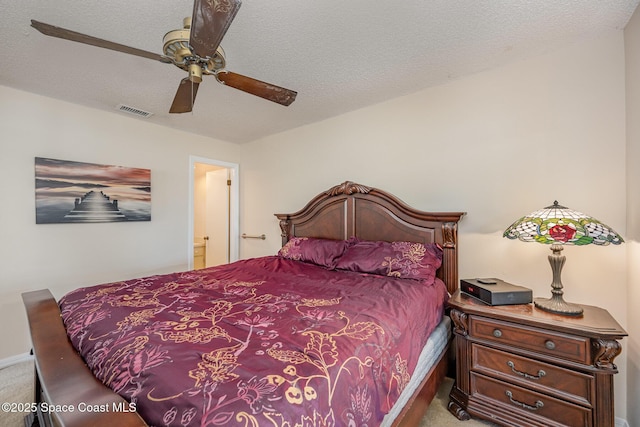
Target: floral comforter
(260, 342)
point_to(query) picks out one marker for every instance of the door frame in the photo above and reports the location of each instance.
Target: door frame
(234, 208)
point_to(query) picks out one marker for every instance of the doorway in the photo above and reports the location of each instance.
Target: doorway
(213, 212)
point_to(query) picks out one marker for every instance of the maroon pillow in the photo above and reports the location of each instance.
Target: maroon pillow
(398, 259)
(322, 252)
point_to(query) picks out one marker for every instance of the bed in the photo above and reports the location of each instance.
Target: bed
(352, 353)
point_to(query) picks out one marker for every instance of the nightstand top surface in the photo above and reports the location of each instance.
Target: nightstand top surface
(594, 322)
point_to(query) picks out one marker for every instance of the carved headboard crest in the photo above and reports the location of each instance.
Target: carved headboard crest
(348, 188)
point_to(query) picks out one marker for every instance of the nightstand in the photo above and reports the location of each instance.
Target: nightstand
(517, 365)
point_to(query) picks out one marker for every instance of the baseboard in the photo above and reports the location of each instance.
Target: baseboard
(15, 359)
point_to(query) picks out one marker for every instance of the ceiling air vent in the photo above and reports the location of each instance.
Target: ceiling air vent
(134, 111)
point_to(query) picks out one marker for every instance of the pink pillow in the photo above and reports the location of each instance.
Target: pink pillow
(322, 252)
(397, 259)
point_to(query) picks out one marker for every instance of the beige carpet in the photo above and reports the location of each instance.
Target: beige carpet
(16, 386)
(439, 416)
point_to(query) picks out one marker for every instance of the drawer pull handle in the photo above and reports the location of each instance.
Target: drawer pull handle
(512, 365)
(539, 403)
(497, 333)
(550, 345)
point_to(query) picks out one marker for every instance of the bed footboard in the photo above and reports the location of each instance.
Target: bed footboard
(67, 393)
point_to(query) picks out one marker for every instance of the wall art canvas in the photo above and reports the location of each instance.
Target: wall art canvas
(76, 192)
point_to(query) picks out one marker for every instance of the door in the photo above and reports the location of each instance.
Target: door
(213, 212)
(217, 217)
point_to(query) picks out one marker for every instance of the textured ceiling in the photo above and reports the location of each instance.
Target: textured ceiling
(338, 55)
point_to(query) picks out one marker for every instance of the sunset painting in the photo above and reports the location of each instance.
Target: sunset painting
(75, 192)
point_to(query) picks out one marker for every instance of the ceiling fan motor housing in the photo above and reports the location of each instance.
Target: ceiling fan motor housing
(176, 46)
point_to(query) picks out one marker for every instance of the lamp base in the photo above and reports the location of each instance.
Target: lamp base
(558, 305)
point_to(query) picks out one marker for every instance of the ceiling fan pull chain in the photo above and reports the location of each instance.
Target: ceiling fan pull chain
(192, 97)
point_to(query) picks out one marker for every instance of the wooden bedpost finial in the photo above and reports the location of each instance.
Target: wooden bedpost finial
(348, 187)
(450, 234)
(285, 230)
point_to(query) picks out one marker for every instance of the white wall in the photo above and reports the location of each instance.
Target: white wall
(66, 256)
(632, 345)
(497, 145)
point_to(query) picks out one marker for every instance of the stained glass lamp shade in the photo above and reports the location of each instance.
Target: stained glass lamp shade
(557, 226)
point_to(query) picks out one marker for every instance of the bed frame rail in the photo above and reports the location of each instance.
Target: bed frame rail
(66, 392)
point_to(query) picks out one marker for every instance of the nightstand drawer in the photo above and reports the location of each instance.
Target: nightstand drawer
(563, 383)
(569, 347)
(538, 408)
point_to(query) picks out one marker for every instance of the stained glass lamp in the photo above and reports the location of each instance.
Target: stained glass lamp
(557, 226)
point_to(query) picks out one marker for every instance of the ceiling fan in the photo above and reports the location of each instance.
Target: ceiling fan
(195, 49)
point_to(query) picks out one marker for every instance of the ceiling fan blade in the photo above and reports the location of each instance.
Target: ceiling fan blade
(63, 33)
(259, 88)
(209, 23)
(185, 96)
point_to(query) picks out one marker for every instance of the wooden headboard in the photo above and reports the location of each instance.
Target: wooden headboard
(351, 209)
